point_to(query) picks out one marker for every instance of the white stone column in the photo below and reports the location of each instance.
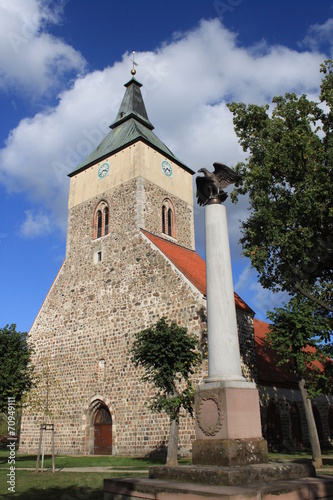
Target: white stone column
(223, 345)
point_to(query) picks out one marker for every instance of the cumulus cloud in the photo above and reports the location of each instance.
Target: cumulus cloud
(318, 35)
(261, 300)
(186, 86)
(35, 224)
(31, 60)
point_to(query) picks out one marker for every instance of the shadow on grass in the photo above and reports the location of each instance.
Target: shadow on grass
(58, 486)
(328, 462)
(65, 461)
(60, 493)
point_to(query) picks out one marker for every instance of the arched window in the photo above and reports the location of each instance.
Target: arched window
(168, 218)
(101, 220)
(295, 425)
(274, 429)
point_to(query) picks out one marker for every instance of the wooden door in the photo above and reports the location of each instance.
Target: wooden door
(103, 432)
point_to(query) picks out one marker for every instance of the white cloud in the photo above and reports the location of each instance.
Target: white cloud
(318, 35)
(260, 300)
(35, 224)
(186, 85)
(31, 60)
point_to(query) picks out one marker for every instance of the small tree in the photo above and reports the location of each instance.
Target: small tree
(296, 335)
(43, 398)
(168, 355)
(15, 369)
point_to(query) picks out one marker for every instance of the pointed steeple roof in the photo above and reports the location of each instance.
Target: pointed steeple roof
(131, 125)
(132, 106)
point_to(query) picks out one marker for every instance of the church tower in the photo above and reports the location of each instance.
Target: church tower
(130, 260)
(130, 173)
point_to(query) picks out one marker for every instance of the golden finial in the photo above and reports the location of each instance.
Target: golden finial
(133, 71)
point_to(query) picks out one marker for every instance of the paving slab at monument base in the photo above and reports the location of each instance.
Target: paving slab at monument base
(287, 481)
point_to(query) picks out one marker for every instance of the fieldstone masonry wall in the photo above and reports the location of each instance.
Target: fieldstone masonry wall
(284, 399)
(86, 325)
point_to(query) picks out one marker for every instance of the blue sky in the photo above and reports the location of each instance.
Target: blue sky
(63, 65)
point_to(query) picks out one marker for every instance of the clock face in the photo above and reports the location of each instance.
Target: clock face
(103, 170)
(166, 168)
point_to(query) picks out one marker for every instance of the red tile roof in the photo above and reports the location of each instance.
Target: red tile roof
(268, 372)
(267, 359)
(190, 264)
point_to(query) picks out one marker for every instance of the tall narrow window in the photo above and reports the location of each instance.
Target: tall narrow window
(101, 220)
(170, 222)
(168, 218)
(106, 220)
(273, 426)
(163, 219)
(296, 427)
(99, 224)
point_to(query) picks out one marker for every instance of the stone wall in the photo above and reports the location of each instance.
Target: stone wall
(86, 325)
(284, 399)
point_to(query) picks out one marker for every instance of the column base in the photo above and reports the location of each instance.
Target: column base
(229, 452)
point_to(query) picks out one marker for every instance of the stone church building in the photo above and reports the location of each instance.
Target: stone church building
(130, 259)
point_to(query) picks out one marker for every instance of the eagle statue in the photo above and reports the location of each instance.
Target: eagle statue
(210, 187)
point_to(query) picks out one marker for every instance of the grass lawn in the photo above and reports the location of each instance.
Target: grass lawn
(305, 456)
(58, 486)
(28, 461)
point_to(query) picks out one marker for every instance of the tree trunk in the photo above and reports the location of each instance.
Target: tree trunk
(317, 460)
(173, 443)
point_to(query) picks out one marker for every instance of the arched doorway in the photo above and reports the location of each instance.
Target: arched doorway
(274, 429)
(102, 432)
(295, 423)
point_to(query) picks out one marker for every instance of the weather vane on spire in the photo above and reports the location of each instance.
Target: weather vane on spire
(133, 71)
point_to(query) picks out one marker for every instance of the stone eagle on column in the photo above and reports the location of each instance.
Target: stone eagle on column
(210, 187)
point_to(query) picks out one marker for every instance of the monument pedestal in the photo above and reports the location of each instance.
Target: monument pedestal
(228, 428)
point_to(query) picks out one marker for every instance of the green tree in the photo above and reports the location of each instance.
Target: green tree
(288, 235)
(288, 178)
(15, 369)
(296, 335)
(168, 355)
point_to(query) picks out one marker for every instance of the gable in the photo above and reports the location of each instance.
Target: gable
(190, 264)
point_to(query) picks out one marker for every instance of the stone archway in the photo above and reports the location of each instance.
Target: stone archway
(102, 431)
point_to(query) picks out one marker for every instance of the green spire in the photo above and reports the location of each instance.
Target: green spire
(132, 106)
(131, 125)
